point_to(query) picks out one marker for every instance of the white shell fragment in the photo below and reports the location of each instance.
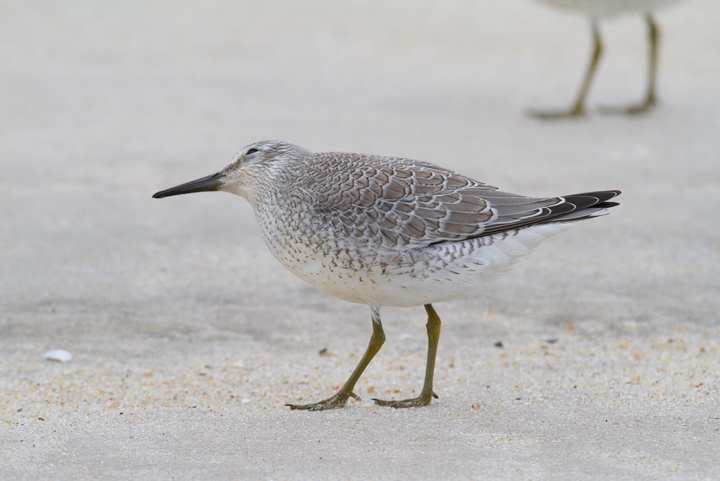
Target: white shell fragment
(58, 355)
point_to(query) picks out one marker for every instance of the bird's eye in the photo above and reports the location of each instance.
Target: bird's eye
(251, 151)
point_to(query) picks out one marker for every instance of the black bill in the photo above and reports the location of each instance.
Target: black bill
(205, 184)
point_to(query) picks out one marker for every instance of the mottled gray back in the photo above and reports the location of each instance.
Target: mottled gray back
(401, 202)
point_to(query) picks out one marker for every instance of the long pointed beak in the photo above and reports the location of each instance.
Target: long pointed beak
(205, 184)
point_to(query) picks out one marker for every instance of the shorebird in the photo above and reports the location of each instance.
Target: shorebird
(597, 9)
(387, 231)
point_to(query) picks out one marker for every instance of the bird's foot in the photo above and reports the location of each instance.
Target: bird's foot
(557, 114)
(635, 109)
(422, 400)
(333, 402)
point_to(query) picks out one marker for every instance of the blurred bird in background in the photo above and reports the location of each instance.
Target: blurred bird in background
(597, 9)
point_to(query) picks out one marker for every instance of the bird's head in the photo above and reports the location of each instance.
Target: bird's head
(254, 167)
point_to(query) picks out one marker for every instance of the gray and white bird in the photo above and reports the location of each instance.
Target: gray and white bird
(597, 9)
(387, 231)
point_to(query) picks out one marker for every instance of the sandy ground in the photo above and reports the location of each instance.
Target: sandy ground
(188, 337)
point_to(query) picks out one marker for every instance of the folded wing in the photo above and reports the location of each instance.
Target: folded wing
(400, 202)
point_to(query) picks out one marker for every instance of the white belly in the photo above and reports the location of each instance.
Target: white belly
(605, 8)
(410, 277)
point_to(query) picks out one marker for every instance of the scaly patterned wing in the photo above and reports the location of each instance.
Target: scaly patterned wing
(400, 202)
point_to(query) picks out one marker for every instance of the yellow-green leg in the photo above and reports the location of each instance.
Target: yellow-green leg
(433, 330)
(578, 108)
(650, 98)
(340, 398)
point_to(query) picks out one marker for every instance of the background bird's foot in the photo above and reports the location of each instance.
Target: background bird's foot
(421, 400)
(635, 109)
(333, 402)
(557, 114)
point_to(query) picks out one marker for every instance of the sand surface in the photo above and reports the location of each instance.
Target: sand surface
(188, 337)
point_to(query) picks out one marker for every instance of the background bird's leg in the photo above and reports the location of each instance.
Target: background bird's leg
(654, 39)
(650, 99)
(433, 330)
(340, 398)
(578, 108)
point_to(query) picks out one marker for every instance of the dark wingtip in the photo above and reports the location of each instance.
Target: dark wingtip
(607, 205)
(583, 206)
(593, 199)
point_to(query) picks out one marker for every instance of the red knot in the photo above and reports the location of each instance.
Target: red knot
(387, 231)
(608, 8)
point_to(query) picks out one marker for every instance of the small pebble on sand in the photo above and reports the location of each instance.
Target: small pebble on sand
(58, 355)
